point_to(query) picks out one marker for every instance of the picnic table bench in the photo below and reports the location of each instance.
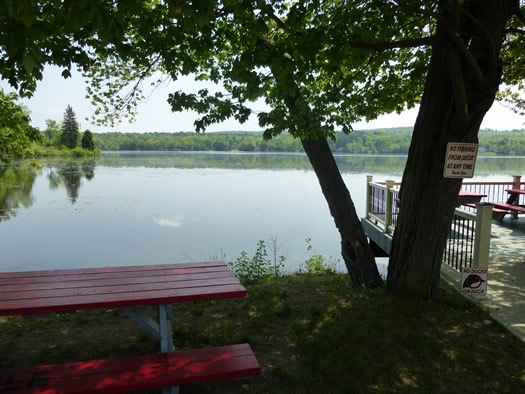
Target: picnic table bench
(510, 206)
(56, 291)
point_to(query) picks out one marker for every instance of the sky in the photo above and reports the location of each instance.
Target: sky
(54, 94)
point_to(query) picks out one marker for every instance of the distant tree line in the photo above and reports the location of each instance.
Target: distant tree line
(380, 141)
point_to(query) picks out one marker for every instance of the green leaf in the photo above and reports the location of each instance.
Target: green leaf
(29, 63)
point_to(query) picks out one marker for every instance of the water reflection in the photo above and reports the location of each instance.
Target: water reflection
(16, 185)
(69, 175)
(393, 165)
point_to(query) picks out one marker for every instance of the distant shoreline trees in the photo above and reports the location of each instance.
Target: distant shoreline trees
(381, 141)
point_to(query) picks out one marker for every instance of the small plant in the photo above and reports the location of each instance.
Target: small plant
(254, 269)
(316, 263)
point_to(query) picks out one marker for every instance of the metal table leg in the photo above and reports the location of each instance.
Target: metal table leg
(160, 330)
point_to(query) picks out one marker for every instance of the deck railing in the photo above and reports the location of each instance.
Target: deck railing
(494, 191)
(469, 237)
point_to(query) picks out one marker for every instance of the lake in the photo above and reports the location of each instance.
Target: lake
(130, 208)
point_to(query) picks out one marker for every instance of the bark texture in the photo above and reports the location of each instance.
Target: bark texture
(463, 78)
(356, 252)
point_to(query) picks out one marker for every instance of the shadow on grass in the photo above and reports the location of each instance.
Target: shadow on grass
(310, 333)
(383, 343)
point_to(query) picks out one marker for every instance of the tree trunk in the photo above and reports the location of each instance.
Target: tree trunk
(453, 106)
(356, 252)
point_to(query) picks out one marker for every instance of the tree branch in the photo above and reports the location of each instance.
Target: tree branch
(458, 85)
(520, 14)
(515, 30)
(383, 46)
(415, 9)
(483, 29)
(463, 50)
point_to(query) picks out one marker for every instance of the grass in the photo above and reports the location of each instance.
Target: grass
(311, 333)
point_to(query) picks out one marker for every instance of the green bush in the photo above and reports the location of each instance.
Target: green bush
(254, 269)
(316, 263)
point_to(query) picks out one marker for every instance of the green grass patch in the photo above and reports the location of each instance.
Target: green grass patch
(310, 332)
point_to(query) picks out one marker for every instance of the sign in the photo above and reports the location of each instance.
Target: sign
(460, 160)
(474, 281)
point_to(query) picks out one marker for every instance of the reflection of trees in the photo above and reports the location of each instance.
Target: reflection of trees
(378, 164)
(16, 184)
(70, 176)
(88, 168)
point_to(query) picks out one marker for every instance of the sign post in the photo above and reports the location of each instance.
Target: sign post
(460, 160)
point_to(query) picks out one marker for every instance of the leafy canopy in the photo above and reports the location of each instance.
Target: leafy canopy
(16, 132)
(319, 65)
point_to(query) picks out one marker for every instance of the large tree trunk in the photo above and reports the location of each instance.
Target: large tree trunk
(453, 106)
(356, 252)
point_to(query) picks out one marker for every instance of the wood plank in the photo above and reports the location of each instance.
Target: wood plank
(120, 269)
(135, 373)
(515, 191)
(110, 275)
(509, 207)
(114, 290)
(114, 281)
(57, 304)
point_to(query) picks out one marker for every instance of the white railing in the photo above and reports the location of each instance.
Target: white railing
(469, 238)
(382, 203)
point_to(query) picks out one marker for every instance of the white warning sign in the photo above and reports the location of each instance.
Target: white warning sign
(474, 281)
(460, 160)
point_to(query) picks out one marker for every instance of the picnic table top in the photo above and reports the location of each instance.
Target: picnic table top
(36, 292)
(471, 194)
(515, 191)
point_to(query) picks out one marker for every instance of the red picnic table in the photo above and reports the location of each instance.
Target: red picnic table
(465, 198)
(55, 291)
(514, 195)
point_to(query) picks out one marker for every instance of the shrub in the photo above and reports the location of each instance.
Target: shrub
(316, 263)
(254, 269)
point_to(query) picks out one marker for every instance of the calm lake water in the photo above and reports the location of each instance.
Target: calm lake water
(147, 208)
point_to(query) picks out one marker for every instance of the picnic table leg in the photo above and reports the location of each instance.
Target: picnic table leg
(166, 338)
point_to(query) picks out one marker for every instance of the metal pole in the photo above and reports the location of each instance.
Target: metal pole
(166, 338)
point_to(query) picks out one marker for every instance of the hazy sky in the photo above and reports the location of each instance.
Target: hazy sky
(54, 93)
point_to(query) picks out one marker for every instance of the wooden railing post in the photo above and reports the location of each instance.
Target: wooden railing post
(482, 235)
(389, 204)
(369, 179)
(516, 181)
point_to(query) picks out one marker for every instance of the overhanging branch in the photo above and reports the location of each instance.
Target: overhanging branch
(463, 50)
(520, 14)
(415, 9)
(515, 30)
(383, 46)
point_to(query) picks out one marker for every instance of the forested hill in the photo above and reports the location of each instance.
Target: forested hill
(380, 141)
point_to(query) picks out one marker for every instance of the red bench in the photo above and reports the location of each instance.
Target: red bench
(121, 375)
(508, 208)
(497, 213)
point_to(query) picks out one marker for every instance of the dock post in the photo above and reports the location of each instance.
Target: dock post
(516, 184)
(389, 204)
(482, 235)
(369, 179)
(516, 181)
